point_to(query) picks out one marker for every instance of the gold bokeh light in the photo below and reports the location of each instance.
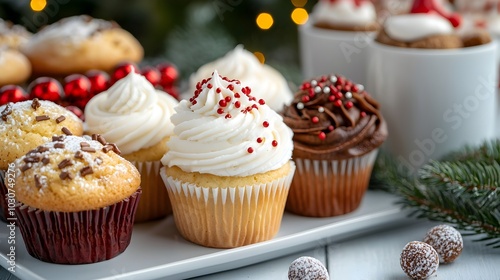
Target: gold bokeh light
(264, 21)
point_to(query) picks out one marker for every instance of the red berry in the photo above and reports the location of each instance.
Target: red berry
(75, 110)
(122, 70)
(12, 93)
(152, 75)
(168, 74)
(45, 88)
(98, 81)
(77, 87)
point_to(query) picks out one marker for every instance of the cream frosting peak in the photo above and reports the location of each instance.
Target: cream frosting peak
(241, 64)
(131, 113)
(344, 12)
(410, 27)
(223, 130)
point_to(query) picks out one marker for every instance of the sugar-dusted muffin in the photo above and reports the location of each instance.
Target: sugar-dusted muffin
(26, 125)
(228, 166)
(74, 184)
(265, 81)
(13, 35)
(337, 129)
(14, 66)
(136, 116)
(78, 44)
(345, 15)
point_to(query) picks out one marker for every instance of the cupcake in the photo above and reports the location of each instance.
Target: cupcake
(228, 168)
(77, 199)
(14, 66)
(345, 15)
(265, 81)
(337, 129)
(26, 125)
(79, 44)
(136, 116)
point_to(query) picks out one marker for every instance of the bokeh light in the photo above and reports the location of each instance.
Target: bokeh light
(300, 16)
(264, 21)
(38, 5)
(299, 3)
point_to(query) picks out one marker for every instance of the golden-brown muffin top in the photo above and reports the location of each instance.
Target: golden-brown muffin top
(73, 173)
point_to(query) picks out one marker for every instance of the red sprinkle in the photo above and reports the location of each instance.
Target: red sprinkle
(250, 150)
(349, 104)
(305, 86)
(337, 103)
(259, 140)
(237, 104)
(230, 87)
(347, 87)
(363, 114)
(315, 119)
(311, 92)
(265, 124)
(331, 98)
(237, 95)
(322, 135)
(305, 98)
(275, 143)
(222, 103)
(209, 86)
(220, 111)
(331, 128)
(338, 95)
(194, 102)
(228, 116)
(262, 102)
(355, 88)
(218, 90)
(228, 99)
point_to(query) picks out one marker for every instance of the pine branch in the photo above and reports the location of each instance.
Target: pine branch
(461, 191)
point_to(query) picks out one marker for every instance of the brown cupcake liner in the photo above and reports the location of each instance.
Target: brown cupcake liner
(78, 237)
(323, 188)
(154, 203)
(228, 217)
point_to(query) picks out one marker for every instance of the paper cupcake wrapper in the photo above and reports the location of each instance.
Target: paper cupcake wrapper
(78, 237)
(228, 217)
(323, 188)
(154, 203)
(4, 211)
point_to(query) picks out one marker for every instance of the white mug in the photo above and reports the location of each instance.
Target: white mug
(324, 51)
(434, 101)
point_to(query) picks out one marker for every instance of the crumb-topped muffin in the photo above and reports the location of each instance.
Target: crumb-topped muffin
(337, 129)
(136, 116)
(78, 44)
(228, 165)
(74, 184)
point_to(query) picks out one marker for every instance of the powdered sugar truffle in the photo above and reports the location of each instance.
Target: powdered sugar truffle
(447, 241)
(419, 260)
(307, 268)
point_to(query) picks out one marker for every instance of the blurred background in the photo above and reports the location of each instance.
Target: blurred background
(186, 33)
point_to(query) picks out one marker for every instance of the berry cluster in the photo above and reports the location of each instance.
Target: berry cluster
(75, 91)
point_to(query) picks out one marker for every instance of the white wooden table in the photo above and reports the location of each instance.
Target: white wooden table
(372, 256)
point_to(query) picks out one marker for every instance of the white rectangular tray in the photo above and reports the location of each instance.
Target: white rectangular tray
(158, 251)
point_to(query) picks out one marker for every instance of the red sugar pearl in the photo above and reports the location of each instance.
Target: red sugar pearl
(305, 86)
(331, 98)
(331, 128)
(220, 111)
(227, 99)
(305, 98)
(228, 116)
(209, 86)
(250, 150)
(275, 143)
(230, 87)
(338, 95)
(222, 103)
(237, 104)
(265, 124)
(311, 92)
(259, 140)
(347, 87)
(355, 88)
(315, 119)
(237, 95)
(262, 102)
(363, 114)
(322, 135)
(337, 103)
(218, 90)
(349, 104)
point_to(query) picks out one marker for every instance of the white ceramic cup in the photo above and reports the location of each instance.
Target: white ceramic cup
(434, 101)
(324, 51)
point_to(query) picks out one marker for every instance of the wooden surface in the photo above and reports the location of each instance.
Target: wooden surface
(374, 256)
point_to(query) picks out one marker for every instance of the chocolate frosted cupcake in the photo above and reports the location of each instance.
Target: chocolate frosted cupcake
(77, 200)
(337, 129)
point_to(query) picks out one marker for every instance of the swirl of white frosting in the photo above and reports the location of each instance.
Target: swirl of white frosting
(69, 30)
(344, 12)
(410, 27)
(265, 81)
(225, 132)
(131, 113)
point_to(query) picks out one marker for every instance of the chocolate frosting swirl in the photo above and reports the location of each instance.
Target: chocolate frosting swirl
(333, 118)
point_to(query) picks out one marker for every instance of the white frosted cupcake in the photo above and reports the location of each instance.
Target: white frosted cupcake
(136, 116)
(228, 168)
(265, 81)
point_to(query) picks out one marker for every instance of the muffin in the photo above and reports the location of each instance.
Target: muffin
(265, 81)
(345, 15)
(13, 35)
(26, 125)
(79, 44)
(337, 129)
(228, 168)
(77, 199)
(136, 116)
(14, 66)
